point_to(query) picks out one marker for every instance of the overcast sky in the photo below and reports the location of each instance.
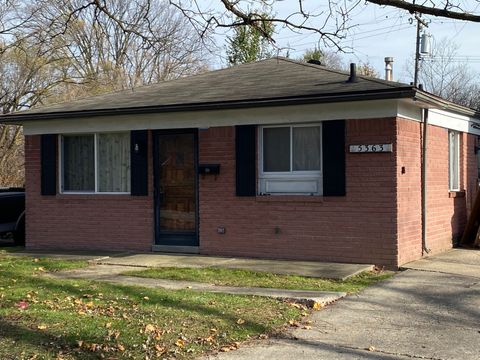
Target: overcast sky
(378, 32)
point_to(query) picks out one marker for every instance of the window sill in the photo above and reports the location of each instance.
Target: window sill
(456, 194)
(290, 198)
(74, 195)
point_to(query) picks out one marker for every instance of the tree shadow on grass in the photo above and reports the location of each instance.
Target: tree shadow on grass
(33, 342)
(174, 304)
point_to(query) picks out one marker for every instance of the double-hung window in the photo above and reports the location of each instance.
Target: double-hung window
(290, 159)
(454, 160)
(95, 163)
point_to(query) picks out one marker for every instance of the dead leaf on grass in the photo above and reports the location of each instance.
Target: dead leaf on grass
(180, 343)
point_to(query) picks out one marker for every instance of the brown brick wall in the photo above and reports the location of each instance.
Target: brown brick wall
(104, 222)
(360, 227)
(446, 215)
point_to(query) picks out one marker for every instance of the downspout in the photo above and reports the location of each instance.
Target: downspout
(425, 248)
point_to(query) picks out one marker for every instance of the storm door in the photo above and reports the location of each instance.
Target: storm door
(175, 177)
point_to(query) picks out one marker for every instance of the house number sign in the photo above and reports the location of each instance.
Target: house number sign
(371, 148)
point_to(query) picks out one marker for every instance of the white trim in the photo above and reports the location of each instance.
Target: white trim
(61, 190)
(312, 113)
(285, 179)
(456, 160)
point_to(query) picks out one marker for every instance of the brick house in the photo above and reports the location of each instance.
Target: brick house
(274, 159)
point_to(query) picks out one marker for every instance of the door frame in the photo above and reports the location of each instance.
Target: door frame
(173, 241)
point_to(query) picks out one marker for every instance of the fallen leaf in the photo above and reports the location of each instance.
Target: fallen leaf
(317, 306)
(225, 349)
(120, 347)
(180, 343)
(240, 321)
(160, 349)
(41, 327)
(149, 328)
(307, 327)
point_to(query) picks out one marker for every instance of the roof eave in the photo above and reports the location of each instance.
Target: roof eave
(439, 103)
(394, 93)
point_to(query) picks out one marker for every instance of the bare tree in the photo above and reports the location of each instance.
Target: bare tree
(53, 51)
(443, 74)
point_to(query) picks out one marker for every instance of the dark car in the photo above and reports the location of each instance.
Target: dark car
(12, 213)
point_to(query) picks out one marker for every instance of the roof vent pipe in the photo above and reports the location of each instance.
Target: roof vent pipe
(353, 73)
(389, 68)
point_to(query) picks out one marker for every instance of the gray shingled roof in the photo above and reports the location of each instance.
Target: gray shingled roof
(275, 78)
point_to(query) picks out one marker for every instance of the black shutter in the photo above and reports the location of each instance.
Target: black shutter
(48, 159)
(333, 144)
(139, 162)
(245, 156)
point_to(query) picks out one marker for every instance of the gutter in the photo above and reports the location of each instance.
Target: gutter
(443, 104)
(425, 249)
(19, 117)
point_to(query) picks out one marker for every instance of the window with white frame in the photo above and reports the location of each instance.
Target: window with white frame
(454, 160)
(290, 159)
(95, 163)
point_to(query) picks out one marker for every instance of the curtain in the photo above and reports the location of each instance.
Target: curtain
(113, 162)
(78, 163)
(306, 148)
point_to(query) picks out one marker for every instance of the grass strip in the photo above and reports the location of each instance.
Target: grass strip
(247, 278)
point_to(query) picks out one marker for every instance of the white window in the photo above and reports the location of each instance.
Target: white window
(454, 160)
(95, 163)
(290, 159)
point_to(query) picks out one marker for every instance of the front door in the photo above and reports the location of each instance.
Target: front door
(175, 177)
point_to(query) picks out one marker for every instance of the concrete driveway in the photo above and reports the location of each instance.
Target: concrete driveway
(429, 311)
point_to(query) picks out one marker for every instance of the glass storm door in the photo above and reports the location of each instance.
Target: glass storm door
(175, 168)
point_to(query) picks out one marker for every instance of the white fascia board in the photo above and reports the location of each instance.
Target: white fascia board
(454, 121)
(213, 118)
(408, 109)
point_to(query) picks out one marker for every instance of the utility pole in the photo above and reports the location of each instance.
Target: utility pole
(420, 24)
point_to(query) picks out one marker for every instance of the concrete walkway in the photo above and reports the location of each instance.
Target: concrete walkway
(112, 274)
(338, 271)
(432, 313)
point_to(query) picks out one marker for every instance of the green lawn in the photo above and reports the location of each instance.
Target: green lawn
(45, 318)
(234, 277)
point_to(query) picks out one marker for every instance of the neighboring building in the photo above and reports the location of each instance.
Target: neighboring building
(274, 159)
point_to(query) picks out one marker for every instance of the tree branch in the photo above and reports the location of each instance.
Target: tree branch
(429, 10)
